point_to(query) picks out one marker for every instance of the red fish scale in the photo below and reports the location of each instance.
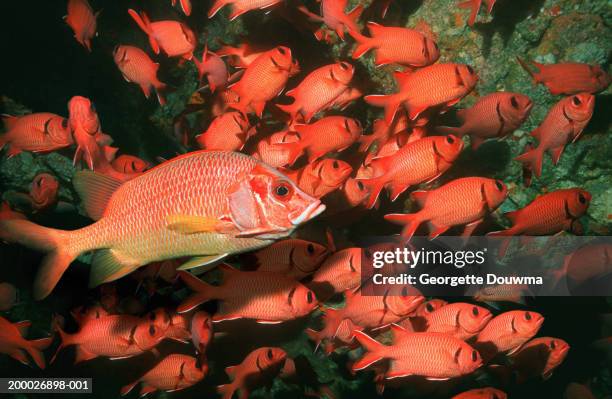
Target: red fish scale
(28, 133)
(135, 222)
(371, 310)
(81, 19)
(138, 67)
(433, 85)
(545, 215)
(326, 135)
(171, 37)
(262, 81)
(556, 130)
(482, 119)
(166, 375)
(401, 45)
(414, 163)
(444, 320)
(337, 269)
(317, 91)
(499, 332)
(568, 78)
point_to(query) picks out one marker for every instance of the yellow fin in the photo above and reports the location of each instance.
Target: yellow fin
(187, 224)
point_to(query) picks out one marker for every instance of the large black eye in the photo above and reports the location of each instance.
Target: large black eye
(553, 345)
(360, 186)
(450, 139)
(282, 50)
(475, 311)
(336, 165)
(499, 185)
(282, 190)
(310, 249)
(513, 102)
(309, 297)
(270, 354)
(64, 123)
(527, 316)
(470, 70)
(582, 199)
(576, 100)
(344, 65)
(429, 307)
(152, 330)
(474, 356)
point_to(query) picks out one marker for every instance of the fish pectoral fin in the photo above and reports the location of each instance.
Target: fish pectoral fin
(257, 232)
(203, 263)
(191, 224)
(83, 355)
(109, 265)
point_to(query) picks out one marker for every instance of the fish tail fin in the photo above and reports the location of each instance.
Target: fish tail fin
(389, 102)
(364, 43)
(128, 388)
(217, 5)
(523, 64)
(58, 243)
(314, 336)
(202, 292)
(375, 351)
(226, 391)
(35, 349)
(374, 186)
(534, 158)
(65, 341)
(355, 13)
(144, 23)
(410, 221)
(160, 90)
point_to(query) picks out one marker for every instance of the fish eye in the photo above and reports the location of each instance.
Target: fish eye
(64, 123)
(282, 190)
(514, 102)
(405, 291)
(582, 199)
(310, 249)
(360, 186)
(553, 345)
(470, 70)
(344, 65)
(429, 307)
(576, 100)
(474, 356)
(336, 165)
(450, 139)
(282, 51)
(475, 311)
(270, 354)
(151, 330)
(499, 185)
(309, 297)
(527, 316)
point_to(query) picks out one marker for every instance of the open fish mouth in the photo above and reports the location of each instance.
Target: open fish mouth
(313, 210)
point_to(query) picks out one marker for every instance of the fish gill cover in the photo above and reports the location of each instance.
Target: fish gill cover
(415, 118)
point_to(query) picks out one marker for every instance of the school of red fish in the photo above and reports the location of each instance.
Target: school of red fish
(243, 194)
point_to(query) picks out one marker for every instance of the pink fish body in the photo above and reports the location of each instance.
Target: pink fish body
(39, 132)
(137, 67)
(321, 177)
(227, 132)
(213, 67)
(270, 150)
(172, 37)
(240, 7)
(82, 20)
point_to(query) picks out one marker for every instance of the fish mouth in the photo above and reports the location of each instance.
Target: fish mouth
(313, 210)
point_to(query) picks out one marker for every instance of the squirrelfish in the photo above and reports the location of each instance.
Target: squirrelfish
(82, 20)
(482, 393)
(13, 343)
(39, 132)
(320, 177)
(137, 67)
(172, 37)
(227, 132)
(240, 7)
(539, 357)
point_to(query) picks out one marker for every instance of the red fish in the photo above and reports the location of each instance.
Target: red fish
(113, 336)
(82, 20)
(85, 127)
(213, 67)
(327, 135)
(474, 5)
(258, 368)
(172, 373)
(240, 7)
(6, 213)
(495, 115)
(461, 320)
(130, 164)
(375, 311)
(417, 321)
(271, 150)
(564, 124)
(539, 358)
(418, 162)
(334, 17)
(346, 98)
(39, 132)
(429, 307)
(395, 45)
(340, 272)
(585, 263)
(43, 191)
(319, 90)
(172, 37)
(507, 333)
(223, 196)
(263, 80)
(321, 177)
(435, 85)
(13, 343)
(137, 67)
(333, 336)
(382, 132)
(201, 331)
(464, 201)
(269, 298)
(241, 56)
(351, 194)
(482, 393)
(292, 257)
(185, 6)
(432, 355)
(227, 132)
(569, 78)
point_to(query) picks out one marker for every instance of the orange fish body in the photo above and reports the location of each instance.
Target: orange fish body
(340, 272)
(346, 98)
(482, 393)
(227, 132)
(172, 373)
(39, 132)
(205, 204)
(417, 162)
(327, 135)
(214, 68)
(395, 45)
(292, 257)
(335, 18)
(351, 194)
(172, 37)
(271, 151)
(321, 177)
(201, 331)
(85, 127)
(319, 90)
(462, 320)
(241, 56)
(569, 78)
(563, 124)
(495, 115)
(240, 7)
(417, 321)
(130, 164)
(474, 5)
(585, 263)
(539, 357)
(258, 368)
(113, 336)
(137, 67)
(507, 332)
(464, 201)
(427, 354)
(263, 80)
(269, 298)
(333, 336)
(16, 346)
(82, 20)
(435, 85)
(43, 191)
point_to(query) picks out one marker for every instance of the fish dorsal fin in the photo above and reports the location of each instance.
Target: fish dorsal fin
(23, 327)
(375, 29)
(95, 191)
(9, 121)
(420, 197)
(512, 216)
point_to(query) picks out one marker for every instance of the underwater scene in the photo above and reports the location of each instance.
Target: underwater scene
(306, 198)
